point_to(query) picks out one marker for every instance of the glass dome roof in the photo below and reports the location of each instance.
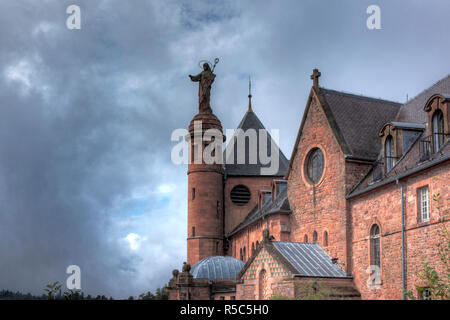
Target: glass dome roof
(217, 267)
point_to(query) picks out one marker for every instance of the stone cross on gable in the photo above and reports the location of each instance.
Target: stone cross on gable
(315, 77)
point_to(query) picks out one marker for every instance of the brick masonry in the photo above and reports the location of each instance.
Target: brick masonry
(251, 236)
(234, 214)
(253, 288)
(266, 277)
(205, 201)
(321, 208)
(383, 207)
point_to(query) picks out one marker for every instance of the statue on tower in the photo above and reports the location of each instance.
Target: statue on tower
(206, 79)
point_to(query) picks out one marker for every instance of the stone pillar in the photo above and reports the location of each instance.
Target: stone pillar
(205, 194)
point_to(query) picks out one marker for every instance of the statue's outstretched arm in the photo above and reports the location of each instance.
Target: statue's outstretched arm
(195, 78)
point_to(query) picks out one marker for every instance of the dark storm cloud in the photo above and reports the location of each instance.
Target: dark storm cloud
(81, 130)
(86, 115)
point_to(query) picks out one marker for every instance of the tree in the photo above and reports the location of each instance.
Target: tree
(147, 296)
(160, 294)
(52, 289)
(72, 295)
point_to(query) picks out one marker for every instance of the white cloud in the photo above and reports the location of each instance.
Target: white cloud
(134, 240)
(28, 73)
(44, 27)
(20, 72)
(165, 188)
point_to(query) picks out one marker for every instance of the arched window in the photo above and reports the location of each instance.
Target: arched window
(375, 245)
(389, 153)
(315, 237)
(253, 248)
(245, 257)
(193, 231)
(325, 239)
(305, 239)
(438, 130)
(315, 165)
(241, 257)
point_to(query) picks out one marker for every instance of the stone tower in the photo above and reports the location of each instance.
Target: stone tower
(205, 202)
(205, 180)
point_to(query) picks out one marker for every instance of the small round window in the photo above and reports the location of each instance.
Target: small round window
(240, 195)
(314, 165)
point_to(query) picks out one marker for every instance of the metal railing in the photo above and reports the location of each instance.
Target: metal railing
(431, 144)
(425, 148)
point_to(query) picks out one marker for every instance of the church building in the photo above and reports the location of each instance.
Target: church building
(352, 215)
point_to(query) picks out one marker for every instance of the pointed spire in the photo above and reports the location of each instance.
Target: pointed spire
(249, 95)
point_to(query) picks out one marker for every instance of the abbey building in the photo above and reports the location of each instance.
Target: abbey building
(353, 213)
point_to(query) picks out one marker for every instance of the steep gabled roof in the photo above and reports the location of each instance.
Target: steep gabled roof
(299, 259)
(412, 111)
(232, 168)
(309, 259)
(359, 119)
(411, 161)
(355, 121)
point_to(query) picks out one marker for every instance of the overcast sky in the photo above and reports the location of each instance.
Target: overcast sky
(86, 115)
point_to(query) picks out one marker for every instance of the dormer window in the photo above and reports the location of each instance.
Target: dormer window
(396, 139)
(438, 130)
(391, 135)
(264, 197)
(437, 108)
(389, 153)
(278, 186)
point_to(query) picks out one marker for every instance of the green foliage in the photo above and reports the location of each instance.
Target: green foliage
(52, 289)
(160, 294)
(280, 297)
(316, 291)
(433, 285)
(73, 295)
(53, 292)
(312, 290)
(10, 295)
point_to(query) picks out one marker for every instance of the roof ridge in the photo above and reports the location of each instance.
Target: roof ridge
(251, 121)
(243, 119)
(428, 88)
(247, 113)
(360, 96)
